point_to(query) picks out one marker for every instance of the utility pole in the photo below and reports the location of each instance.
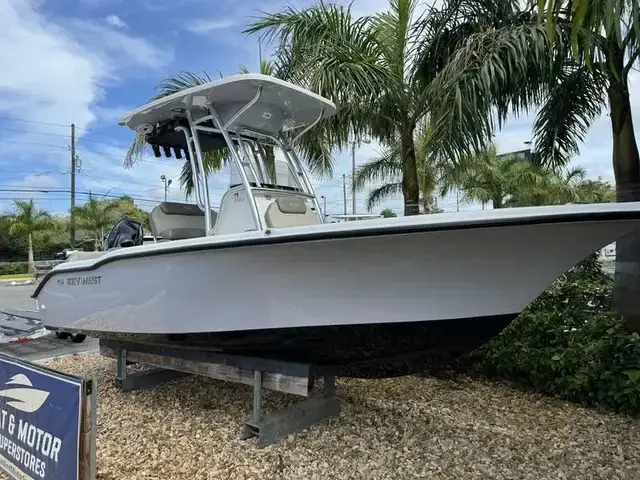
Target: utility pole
(344, 192)
(73, 187)
(324, 208)
(353, 172)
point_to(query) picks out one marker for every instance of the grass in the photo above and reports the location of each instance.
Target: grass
(16, 276)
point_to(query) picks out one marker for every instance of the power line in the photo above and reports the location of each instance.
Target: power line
(34, 121)
(53, 124)
(62, 190)
(82, 139)
(35, 144)
(34, 132)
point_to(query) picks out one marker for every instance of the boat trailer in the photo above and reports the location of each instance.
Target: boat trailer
(171, 363)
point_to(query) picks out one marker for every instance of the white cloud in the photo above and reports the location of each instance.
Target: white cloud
(208, 26)
(120, 51)
(110, 115)
(57, 73)
(115, 21)
(38, 181)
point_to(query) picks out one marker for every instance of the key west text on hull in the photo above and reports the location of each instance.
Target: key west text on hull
(265, 277)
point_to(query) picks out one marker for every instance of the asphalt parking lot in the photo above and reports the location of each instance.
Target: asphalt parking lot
(19, 297)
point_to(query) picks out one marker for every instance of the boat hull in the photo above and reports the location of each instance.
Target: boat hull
(394, 301)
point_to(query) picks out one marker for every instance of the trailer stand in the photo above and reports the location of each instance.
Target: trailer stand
(148, 378)
(280, 424)
(170, 363)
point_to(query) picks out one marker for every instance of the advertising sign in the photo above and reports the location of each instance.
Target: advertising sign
(39, 421)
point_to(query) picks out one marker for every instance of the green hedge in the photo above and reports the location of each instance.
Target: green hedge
(570, 344)
(13, 268)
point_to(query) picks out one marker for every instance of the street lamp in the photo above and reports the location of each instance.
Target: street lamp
(166, 185)
(353, 171)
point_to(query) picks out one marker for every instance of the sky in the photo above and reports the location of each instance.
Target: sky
(87, 62)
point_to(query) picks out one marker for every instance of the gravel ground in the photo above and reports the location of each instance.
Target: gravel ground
(406, 427)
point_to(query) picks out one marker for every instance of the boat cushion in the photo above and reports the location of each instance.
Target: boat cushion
(177, 221)
(291, 205)
(289, 212)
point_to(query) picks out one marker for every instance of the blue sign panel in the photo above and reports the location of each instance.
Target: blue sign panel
(39, 421)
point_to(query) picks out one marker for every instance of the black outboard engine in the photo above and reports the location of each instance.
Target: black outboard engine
(125, 233)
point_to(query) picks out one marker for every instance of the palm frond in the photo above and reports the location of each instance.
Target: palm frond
(213, 161)
(381, 193)
(394, 32)
(328, 51)
(18, 229)
(180, 82)
(572, 105)
(494, 72)
(28, 219)
(386, 166)
(599, 17)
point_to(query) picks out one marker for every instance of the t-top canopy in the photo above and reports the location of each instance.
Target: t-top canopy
(280, 107)
(239, 112)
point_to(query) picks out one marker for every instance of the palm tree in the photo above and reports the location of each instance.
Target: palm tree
(27, 221)
(366, 66)
(312, 146)
(554, 188)
(387, 167)
(491, 178)
(519, 63)
(570, 63)
(596, 191)
(95, 216)
(127, 208)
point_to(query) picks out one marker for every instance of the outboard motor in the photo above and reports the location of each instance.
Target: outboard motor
(125, 233)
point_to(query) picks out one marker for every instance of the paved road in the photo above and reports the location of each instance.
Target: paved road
(38, 348)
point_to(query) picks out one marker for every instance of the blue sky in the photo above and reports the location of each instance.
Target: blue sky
(89, 61)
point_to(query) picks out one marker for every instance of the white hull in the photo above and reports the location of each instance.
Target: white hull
(423, 276)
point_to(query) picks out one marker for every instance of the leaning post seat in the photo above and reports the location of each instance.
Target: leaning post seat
(289, 211)
(177, 221)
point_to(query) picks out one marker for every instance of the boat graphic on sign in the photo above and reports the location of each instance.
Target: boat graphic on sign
(23, 396)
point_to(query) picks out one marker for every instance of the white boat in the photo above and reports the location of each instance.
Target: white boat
(265, 276)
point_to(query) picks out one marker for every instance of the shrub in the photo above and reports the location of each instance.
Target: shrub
(13, 268)
(570, 344)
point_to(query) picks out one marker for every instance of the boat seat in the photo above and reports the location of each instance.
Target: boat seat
(289, 212)
(177, 221)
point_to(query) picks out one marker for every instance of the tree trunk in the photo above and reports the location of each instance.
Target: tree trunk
(96, 244)
(31, 263)
(626, 166)
(497, 203)
(410, 186)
